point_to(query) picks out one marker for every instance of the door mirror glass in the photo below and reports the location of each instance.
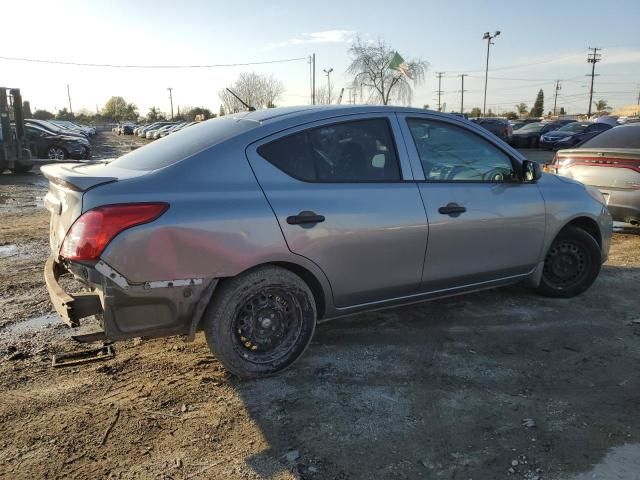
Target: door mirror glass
(532, 171)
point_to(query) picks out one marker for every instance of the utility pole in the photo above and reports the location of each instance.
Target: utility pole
(328, 74)
(592, 58)
(488, 37)
(462, 93)
(313, 79)
(69, 95)
(439, 91)
(171, 100)
(639, 95)
(555, 100)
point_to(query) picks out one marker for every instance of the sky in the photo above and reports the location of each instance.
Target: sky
(540, 42)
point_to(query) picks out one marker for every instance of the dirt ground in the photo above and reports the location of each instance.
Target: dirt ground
(495, 385)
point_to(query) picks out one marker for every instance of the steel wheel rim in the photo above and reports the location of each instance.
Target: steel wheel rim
(55, 153)
(566, 264)
(267, 326)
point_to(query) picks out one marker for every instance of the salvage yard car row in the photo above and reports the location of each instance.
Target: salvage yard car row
(151, 131)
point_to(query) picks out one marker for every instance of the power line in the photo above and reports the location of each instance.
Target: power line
(111, 65)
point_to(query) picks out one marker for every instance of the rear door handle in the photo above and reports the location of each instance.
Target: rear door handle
(305, 217)
(452, 209)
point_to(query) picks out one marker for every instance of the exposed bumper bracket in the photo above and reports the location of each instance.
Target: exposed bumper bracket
(70, 307)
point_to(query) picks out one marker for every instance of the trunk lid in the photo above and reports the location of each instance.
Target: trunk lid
(68, 183)
(604, 167)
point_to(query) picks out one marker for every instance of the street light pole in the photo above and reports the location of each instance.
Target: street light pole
(171, 100)
(328, 73)
(488, 37)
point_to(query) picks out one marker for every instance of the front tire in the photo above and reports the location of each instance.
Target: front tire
(56, 153)
(260, 322)
(572, 264)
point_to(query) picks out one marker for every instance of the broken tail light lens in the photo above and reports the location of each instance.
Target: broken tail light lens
(93, 230)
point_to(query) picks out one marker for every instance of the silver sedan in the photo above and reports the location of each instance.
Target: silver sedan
(256, 226)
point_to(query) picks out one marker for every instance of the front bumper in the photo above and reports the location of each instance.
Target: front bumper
(70, 307)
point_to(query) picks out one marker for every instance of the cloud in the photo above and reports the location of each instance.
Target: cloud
(326, 36)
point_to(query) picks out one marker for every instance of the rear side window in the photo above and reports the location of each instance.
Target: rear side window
(616, 137)
(357, 151)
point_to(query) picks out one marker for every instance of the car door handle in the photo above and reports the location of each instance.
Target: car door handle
(452, 209)
(305, 217)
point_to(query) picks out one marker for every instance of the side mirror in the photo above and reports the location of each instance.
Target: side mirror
(532, 172)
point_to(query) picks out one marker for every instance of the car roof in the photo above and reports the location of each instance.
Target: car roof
(302, 111)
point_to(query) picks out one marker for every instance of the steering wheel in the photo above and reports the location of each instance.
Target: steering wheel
(494, 175)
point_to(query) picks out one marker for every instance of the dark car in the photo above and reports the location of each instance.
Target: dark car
(44, 144)
(53, 128)
(500, 127)
(517, 124)
(572, 134)
(529, 135)
(126, 129)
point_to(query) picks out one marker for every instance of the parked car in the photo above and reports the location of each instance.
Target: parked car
(53, 128)
(45, 144)
(156, 133)
(86, 131)
(143, 132)
(572, 134)
(311, 213)
(609, 161)
(500, 127)
(529, 135)
(126, 129)
(516, 124)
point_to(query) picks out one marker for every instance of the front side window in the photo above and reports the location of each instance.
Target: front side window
(452, 154)
(357, 151)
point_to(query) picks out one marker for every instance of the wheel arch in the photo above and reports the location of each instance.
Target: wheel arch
(587, 224)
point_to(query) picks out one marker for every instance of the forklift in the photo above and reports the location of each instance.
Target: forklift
(14, 146)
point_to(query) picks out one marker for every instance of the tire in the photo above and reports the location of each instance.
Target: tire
(236, 323)
(21, 168)
(571, 265)
(56, 153)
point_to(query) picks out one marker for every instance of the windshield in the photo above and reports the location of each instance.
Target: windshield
(574, 127)
(626, 136)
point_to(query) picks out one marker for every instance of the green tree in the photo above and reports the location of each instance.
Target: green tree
(43, 115)
(538, 106)
(64, 115)
(511, 115)
(191, 113)
(562, 111)
(26, 109)
(602, 105)
(475, 112)
(118, 109)
(522, 109)
(154, 114)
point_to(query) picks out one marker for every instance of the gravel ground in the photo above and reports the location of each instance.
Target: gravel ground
(493, 385)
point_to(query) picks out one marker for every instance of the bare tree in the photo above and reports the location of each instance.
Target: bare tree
(258, 91)
(322, 96)
(370, 68)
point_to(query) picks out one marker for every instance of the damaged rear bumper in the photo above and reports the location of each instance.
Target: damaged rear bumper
(151, 309)
(71, 307)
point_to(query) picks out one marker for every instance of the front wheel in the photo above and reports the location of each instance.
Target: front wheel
(260, 322)
(56, 153)
(572, 264)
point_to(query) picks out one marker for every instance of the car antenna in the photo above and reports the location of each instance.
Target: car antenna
(249, 107)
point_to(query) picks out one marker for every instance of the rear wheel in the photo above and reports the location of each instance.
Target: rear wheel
(260, 322)
(571, 265)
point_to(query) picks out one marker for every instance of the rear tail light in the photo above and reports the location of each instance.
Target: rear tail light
(93, 230)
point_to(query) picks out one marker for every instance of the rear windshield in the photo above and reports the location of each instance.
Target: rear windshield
(183, 144)
(617, 137)
(531, 127)
(574, 127)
